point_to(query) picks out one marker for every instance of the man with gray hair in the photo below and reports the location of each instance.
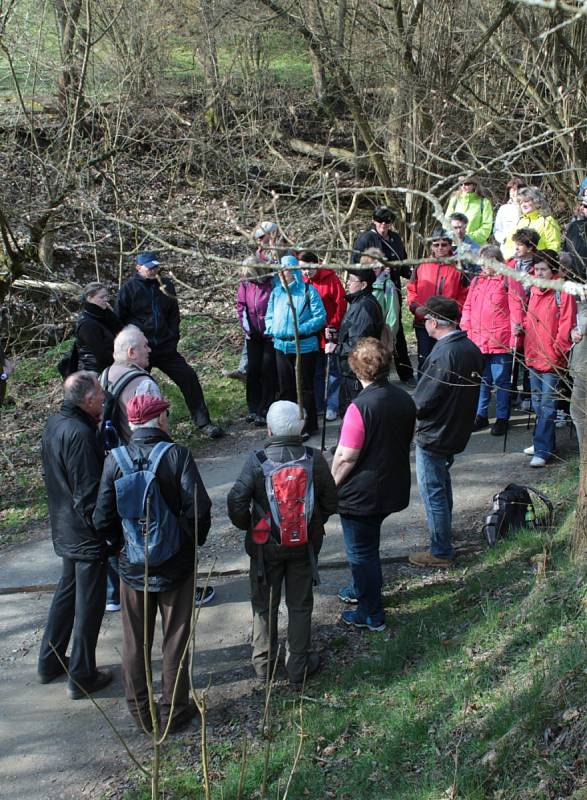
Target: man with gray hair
(272, 561)
(72, 464)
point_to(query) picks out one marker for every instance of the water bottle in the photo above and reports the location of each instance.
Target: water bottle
(109, 436)
(530, 517)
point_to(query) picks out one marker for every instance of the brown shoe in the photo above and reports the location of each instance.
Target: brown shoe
(424, 558)
(181, 719)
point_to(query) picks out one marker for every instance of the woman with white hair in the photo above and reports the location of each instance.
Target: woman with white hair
(537, 216)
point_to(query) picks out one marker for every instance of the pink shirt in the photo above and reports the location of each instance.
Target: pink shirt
(352, 433)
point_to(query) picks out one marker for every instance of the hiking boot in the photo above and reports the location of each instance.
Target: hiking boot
(101, 679)
(47, 677)
(499, 427)
(313, 665)
(237, 375)
(347, 595)
(425, 558)
(529, 451)
(211, 431)
(538, 462)
(358, 621)
(260, 421)
(204, 597)
(250, 418)
(480, 423)
(181, 719)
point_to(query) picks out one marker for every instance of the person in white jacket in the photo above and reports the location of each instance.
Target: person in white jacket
(509, 213)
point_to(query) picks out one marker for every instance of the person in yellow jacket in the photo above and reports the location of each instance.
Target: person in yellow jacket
(468, 200)
(537, 216)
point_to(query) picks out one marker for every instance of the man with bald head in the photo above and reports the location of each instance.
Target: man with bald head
(72, 465)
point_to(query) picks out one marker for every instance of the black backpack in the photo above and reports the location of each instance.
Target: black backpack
(69, 363)
(513, 509)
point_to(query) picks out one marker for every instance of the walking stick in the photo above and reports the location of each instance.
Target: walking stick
(326, 376)
(513, 386)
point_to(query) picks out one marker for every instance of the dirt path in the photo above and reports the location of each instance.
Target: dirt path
(51, 747)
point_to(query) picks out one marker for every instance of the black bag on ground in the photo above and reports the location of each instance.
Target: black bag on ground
(69, 363)
(513, 509)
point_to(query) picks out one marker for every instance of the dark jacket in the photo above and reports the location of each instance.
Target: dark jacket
(142, 303)
(393, 250)
(363, 317)
(379, 482)
(447, 393)
(250, 486)
(576, 245)
(72, 464)
(177, 476)
(95, 332)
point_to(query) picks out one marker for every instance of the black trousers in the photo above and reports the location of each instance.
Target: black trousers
(176, 367)
(77, 610)
(261, 375)
(286, 378)
(403, 365)
(348, 390)
(175, 608)
(425, 345)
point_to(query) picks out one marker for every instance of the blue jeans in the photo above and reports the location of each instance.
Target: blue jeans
(544, 396)
(333, 383)
(497, 370)
(361, 541)
(112, 581)
(433, 474)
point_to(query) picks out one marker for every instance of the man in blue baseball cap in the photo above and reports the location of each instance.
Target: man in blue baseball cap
(148, 301)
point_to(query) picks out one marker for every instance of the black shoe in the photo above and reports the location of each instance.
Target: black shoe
(250, 418)
(203, 597)
(236, 375)
(181, 719)
(47, 677)
(480, 423)
(499, 427)
(101, 679)
(260, 421)
(211, 431)
(312, 667)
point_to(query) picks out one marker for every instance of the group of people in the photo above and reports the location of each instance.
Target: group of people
(471, 322)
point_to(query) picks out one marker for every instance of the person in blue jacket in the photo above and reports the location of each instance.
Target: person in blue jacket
(279, 323)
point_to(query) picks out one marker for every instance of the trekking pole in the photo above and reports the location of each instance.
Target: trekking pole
(513, 387)
(326, 376)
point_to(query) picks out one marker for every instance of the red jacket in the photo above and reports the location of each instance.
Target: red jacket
(331, 291)
(434, 278)
(492, 308)
(548, 323)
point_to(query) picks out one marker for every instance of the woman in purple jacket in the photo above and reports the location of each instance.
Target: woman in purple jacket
(251, 304)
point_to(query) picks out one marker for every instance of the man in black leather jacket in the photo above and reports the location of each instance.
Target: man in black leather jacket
(363, 318)
(148, 301)
(170, 584)
(72, 464)
(446, 401)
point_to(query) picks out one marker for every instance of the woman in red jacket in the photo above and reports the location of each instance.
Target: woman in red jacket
(494, 306)
(548, 323)
(434, 278)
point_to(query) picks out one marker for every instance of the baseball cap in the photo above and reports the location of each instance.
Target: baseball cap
(148, 260)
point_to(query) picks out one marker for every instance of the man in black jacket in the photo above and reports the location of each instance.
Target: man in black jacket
(363, 318)
(148, 301)
(170, 584)
(272, 563)
(446, 401)
(72, 465)
(576, 242)
(383, 238)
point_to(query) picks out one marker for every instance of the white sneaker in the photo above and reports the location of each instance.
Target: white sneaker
(331, 414)
(526, 405)
(529, 451)
(112, 606)
(538, 462)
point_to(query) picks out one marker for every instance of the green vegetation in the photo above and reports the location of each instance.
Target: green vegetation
(475, 691)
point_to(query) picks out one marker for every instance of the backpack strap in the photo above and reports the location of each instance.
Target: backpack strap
(123, 459)
(124, 380)
(157, 454)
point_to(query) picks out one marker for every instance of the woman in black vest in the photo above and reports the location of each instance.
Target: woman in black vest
(371, 469)
(96, 329)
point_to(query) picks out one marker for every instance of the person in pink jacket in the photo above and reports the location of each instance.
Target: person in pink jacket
(492, 310)
(434, 278)
(549, 320)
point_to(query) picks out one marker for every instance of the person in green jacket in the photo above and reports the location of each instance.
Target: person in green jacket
(537, 216)
(468, 200)
(386, 294)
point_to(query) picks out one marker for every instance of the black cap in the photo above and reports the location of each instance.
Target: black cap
(364, 274)
(440, 233)
(383, 214)
(440, 308)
